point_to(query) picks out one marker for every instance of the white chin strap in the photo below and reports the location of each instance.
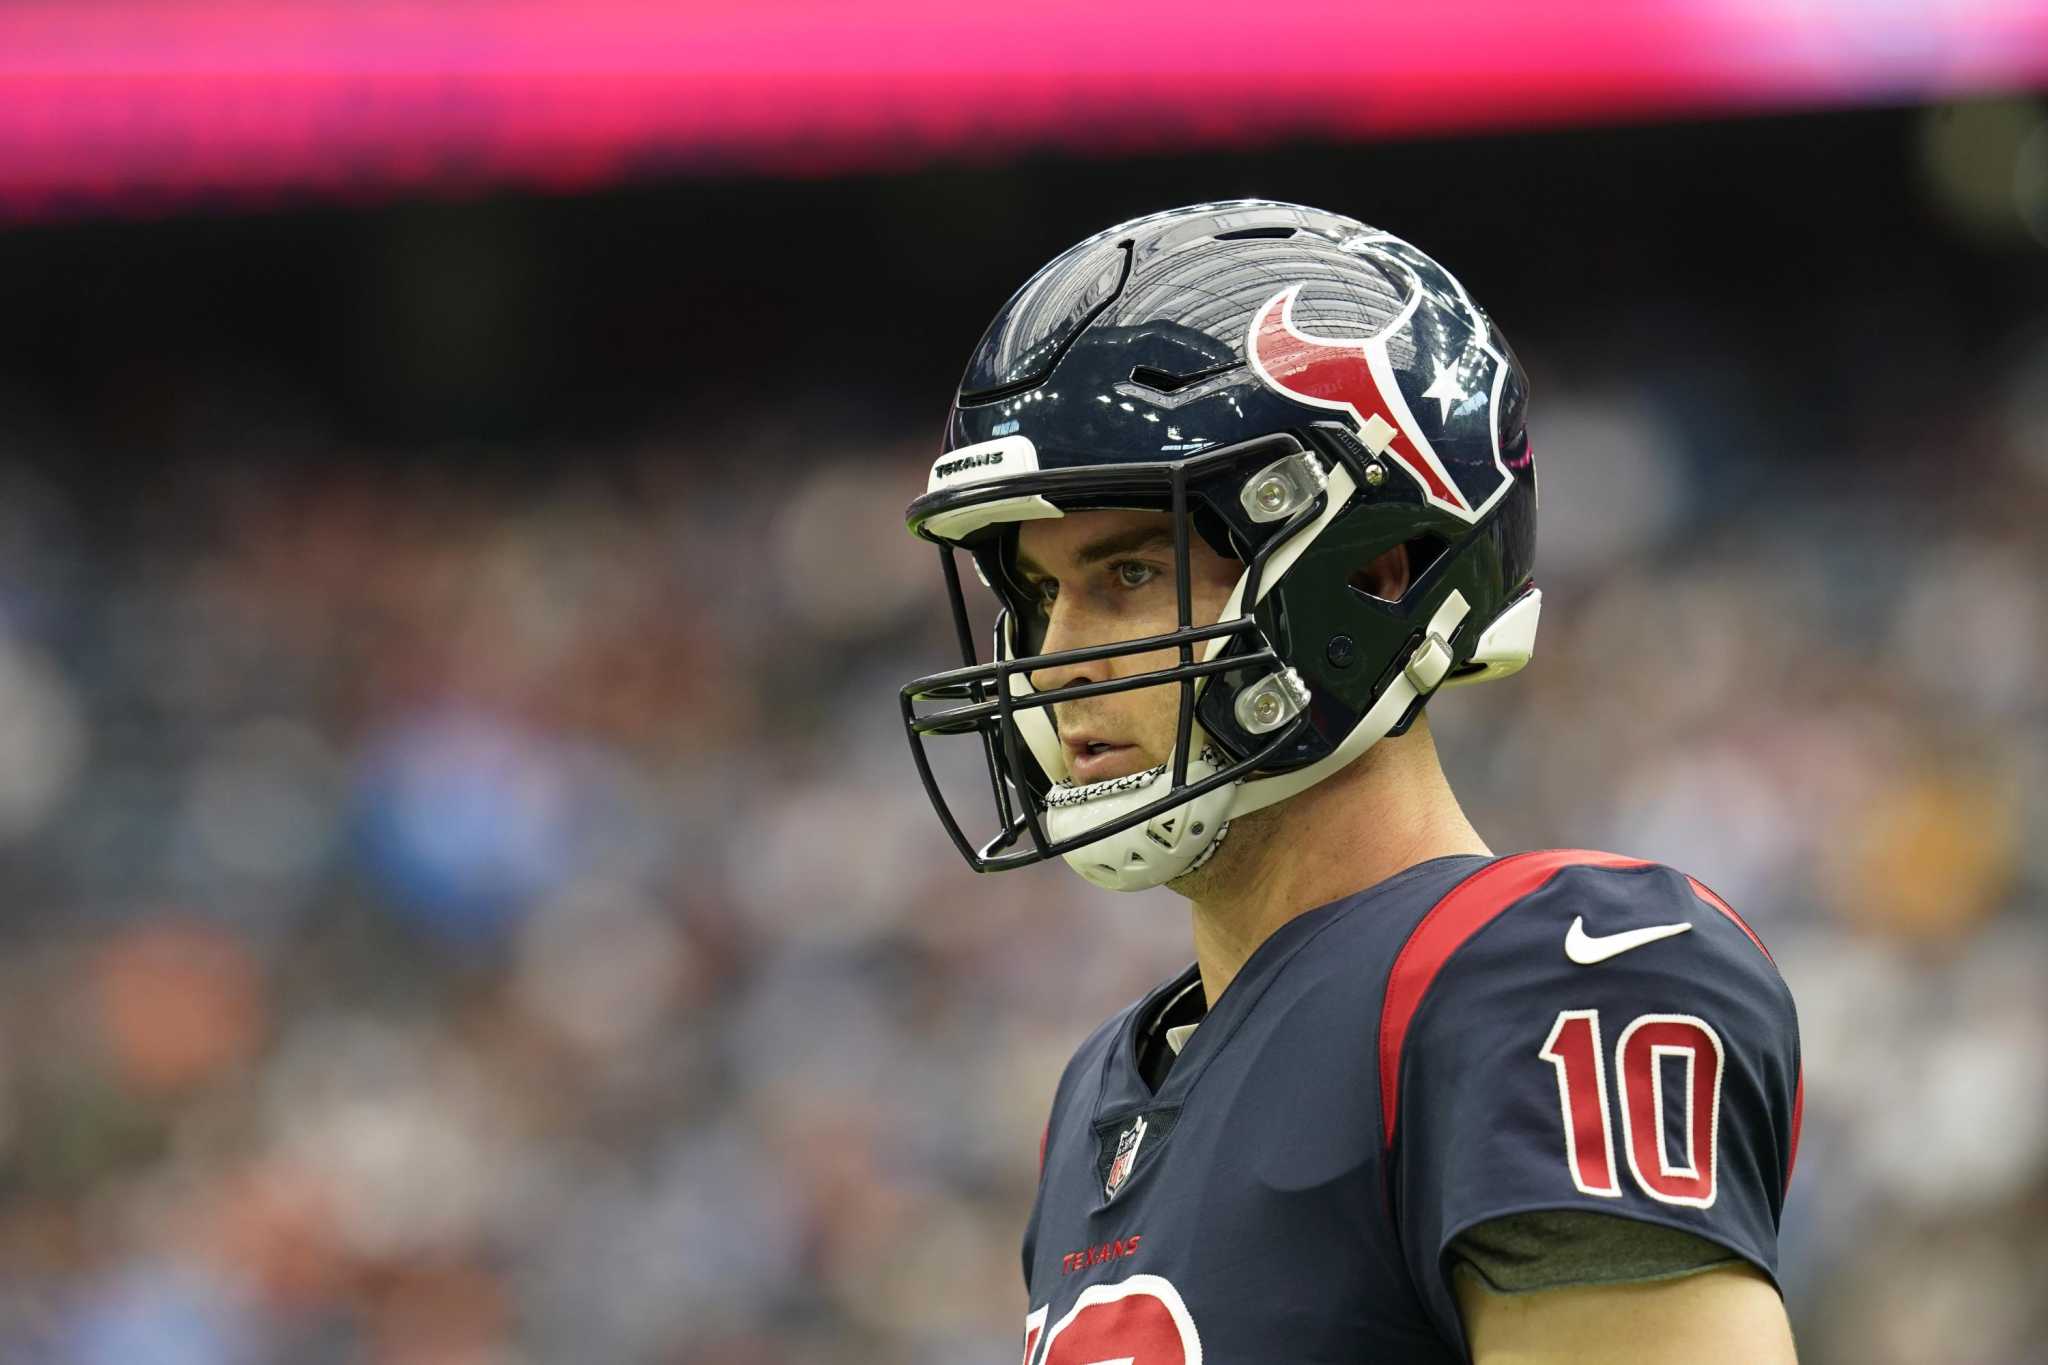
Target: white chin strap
(1183, 838)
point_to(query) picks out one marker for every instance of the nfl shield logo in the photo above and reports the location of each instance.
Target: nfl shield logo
(1127, 1144)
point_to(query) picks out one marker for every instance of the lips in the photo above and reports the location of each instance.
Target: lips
(1090, 759)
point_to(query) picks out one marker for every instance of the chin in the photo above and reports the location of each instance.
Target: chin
(1138, 762)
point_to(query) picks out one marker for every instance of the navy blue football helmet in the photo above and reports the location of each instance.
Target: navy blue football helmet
(1305, 393)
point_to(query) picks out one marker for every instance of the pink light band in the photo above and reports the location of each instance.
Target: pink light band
(113, 101)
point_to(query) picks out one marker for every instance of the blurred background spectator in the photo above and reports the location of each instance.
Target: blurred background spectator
(467, 899)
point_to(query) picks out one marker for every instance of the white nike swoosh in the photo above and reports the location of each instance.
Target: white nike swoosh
(1582, 948)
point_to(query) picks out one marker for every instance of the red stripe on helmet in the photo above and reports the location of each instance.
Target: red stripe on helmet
(1335, 374)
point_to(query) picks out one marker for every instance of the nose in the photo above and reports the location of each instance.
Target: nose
(1066, 628)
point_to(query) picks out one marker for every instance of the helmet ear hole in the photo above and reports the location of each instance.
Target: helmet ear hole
(1393, 574)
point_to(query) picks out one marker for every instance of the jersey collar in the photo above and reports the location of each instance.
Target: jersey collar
(1124, 1089)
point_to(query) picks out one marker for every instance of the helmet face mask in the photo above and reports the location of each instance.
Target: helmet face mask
(1328, 467)
(985, 698)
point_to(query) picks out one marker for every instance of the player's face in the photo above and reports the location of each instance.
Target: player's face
(1101, 577)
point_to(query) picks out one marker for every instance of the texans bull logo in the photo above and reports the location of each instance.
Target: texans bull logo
(1355, 378)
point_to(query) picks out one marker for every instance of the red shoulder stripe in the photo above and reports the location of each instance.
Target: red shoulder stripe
(1798, 1115)
(1471, 905)
(1706, 894)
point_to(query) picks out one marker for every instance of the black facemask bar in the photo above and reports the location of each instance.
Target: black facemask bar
(990, 706)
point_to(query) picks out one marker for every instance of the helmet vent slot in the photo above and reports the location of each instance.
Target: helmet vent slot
(1162, 381)
(1028, 368)
(1249, 234)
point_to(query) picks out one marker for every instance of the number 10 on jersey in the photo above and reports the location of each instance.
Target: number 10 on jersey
(1654, 1053)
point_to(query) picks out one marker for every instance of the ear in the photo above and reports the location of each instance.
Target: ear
(1387, 577)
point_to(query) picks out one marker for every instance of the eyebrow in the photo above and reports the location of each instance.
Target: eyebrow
(1107, 547)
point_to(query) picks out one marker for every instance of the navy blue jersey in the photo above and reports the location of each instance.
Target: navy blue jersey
(1469, 1039)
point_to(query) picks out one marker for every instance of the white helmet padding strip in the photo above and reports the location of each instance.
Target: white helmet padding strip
(997, 459)
(965, 521)
(1032, 721)
(1338, 492)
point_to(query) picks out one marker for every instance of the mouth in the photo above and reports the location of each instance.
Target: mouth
(1098, 760)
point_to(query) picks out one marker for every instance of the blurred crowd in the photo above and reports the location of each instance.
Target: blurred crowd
(482, 911)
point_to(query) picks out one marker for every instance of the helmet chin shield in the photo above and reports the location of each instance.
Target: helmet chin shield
(1146, 855)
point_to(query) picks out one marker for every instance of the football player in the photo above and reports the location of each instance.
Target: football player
(1250, 482)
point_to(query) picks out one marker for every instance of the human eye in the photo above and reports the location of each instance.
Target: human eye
(1041, 592)
(1133, 573)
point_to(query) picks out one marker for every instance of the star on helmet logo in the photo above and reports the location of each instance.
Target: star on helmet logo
(1446, 390)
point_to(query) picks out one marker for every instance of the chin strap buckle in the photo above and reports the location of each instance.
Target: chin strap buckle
(1428, 664)
(1431, 661)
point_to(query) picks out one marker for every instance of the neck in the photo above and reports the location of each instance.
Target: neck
(1384, 813)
